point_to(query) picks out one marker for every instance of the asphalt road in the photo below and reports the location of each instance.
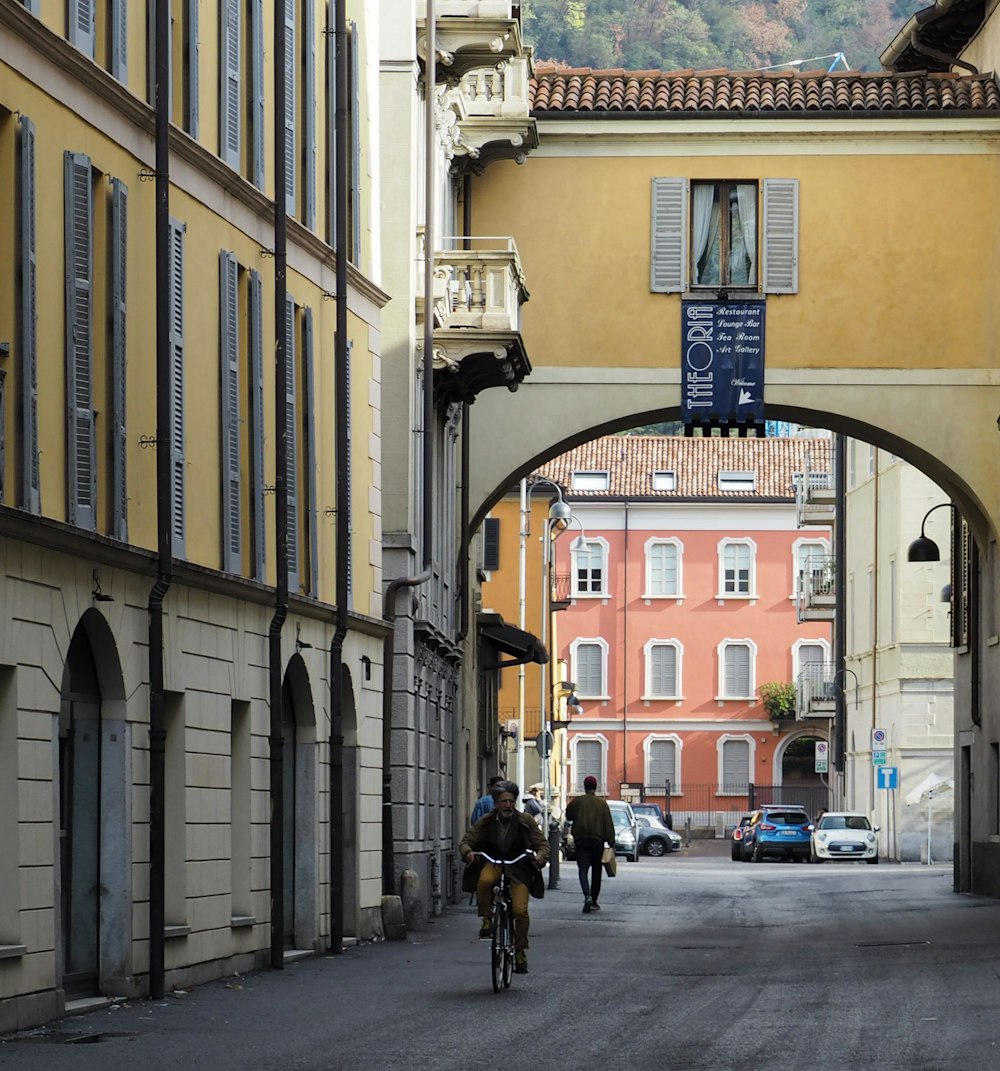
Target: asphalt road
(696, 963)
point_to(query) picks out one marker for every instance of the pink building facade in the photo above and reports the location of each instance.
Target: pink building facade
(682, 560)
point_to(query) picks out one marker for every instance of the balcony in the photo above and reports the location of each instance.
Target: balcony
(478, 292)
(815, 497)
(470, 34)
(816, 595)
(561, 591)
(492, 116)
(816, 691)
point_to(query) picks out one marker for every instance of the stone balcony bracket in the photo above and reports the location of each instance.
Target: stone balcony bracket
(463, 44)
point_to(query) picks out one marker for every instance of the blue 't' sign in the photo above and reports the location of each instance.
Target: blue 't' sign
(887, 777)
(722, 363)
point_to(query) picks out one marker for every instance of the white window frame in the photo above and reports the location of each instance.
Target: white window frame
(590, 480)
(751, 695)
(720, 747)
(736, 481)
(589, 541)
(752, 580)
(797, 663)
(664, 480)
(577, 783)
(670, 738)
(590, 641)
(648, 694)
(822, 547)
(658, 541)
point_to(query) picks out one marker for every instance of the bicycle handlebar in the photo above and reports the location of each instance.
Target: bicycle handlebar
(504, 862)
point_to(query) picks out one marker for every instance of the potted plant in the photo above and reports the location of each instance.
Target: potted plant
(778, 698)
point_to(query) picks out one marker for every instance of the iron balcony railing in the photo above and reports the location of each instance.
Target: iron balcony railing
(816, 690)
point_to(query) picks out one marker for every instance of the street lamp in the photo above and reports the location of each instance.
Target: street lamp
(923, 548)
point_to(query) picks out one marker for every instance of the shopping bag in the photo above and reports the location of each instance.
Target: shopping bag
(609, 862)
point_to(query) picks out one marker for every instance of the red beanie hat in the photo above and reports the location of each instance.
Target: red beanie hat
(589, 782)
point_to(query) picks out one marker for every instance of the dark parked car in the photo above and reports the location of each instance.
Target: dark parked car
(778, 831)
(655, 837)
(737, 837)
(626, 830)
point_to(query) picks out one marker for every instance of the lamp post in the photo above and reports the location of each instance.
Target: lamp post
(923, 548)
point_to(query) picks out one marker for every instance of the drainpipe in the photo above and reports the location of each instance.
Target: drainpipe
(624, 654)
(840, 613)
(395, 586)
(281, 356)
(164, 515)
(342, 421)
(463, 549)
(875, 624)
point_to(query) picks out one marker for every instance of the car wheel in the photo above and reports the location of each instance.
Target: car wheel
(655, 847)
(737, 852)
(874, 859)
(634, 857)
(813, 857)
(758, 854)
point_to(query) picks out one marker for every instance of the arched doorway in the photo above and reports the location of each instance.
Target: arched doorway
(94, 887)
(795, 771)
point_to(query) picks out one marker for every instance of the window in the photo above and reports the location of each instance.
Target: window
(809, 653)
(663, 569)
(29, 494)
(232, 417)
(589, 567)
(231, 77)
(812, 556)
(588, 761)
(176, 275)
(736, 669)
(589, 481)
(663, 669)
(491, 544)
(662, 766)
(310, 468)
(737, 481)
(736, 569)
(183, 59)
(735, 764)
(291, 445)
(255, 429)
(291, 111)
(705, 235)
(352, 81)
(664, 481)
(589, 667)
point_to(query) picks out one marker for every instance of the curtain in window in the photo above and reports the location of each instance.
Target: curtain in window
(663, 569)
(705, 234)
(743, 269)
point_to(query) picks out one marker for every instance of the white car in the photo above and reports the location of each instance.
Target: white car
(844, 835)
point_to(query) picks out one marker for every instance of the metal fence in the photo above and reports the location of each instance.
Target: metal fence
(718, 807)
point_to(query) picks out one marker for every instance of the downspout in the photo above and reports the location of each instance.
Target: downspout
(875, 572)
(466, 535)
(342, 422)
(277, 742)
(935, 53)
(164, 515)
(624, 654)
(840, 613)
(397, 585)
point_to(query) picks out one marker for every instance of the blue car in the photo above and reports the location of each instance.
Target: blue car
(778, 832)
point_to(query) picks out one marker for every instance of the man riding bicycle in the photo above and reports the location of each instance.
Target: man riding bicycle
(505, 833)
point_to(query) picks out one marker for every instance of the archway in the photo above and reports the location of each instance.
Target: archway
(94, 807)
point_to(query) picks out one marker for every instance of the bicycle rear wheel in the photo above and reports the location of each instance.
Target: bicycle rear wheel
(508, 959)
(498, 949)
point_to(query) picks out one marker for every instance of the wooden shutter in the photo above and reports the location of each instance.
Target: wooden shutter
(587, 762)
(354, 103)
(193, 45)
(589, 676)
(662, 764)
(256, 362)
(491, 544)
(119, 40)
(291, 446)
(30, 489)
(309, 416)
(81, 25)
(309, 107)
(350, 477)
(257, 89)
(737, 671)
(230, 93)
(735, 764)
(780, 255)
(177, 502)
(81, 450)
(663, 670)
(289, 119)
(229, 383)
(331, 125)
(118, 250)
(668, 267)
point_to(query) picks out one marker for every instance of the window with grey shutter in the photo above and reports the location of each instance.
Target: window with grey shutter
(589, 666)
(290, 98)
(30, 486)
(192, 46)
(256, 437)
(331, 125)
(491, 544)
(663, 559)
(309, 426)
(3, 435)
(587, 762)
(663, 670)
(780, 256)
(291, 447)
(119, 40)
(257, 88)
(350, 471)
(177, 502)
(34, 6)
(309, 107)
(669, 236)
(354, 103)
(118, 254)
(81, 25)
(736, 679)
(735, 766)
(229, 373)
(662, 765)
(81, 450)
(230, 96)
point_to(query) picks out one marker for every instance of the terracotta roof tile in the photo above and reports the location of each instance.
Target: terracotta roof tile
(631, 460)
(578, 90)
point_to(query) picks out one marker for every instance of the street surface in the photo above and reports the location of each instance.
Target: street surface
(696, 963)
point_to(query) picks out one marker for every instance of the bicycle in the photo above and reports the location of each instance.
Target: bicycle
(502, 936)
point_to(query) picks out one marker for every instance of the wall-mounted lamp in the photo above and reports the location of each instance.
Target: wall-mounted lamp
(946, 593)
(924, 549)
(366, 662)
(301, 645)
(97, 595)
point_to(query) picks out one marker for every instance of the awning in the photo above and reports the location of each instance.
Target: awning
(522, 646)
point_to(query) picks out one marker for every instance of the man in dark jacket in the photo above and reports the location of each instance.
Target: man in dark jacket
(592, 827)
(505, 833)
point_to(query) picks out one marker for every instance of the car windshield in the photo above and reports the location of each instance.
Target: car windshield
(787, 818)
(619, 817)
(844, 821)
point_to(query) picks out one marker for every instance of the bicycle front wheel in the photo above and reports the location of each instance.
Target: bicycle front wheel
(498, 950)
(508, 944)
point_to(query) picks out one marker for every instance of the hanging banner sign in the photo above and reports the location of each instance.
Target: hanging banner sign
(722, 364)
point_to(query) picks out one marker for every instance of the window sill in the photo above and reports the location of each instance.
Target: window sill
(662, 698)
(736, 699)
(13, 951)
(240, 921)
(170, 931)
(739, 598)
(590, 595)
(647, 599)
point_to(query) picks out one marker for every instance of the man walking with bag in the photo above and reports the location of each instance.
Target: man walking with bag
(590, 816)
